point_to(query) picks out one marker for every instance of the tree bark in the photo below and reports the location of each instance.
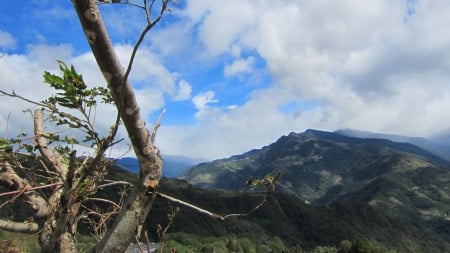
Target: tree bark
(12, 181)
(19, 227)
(139, 201)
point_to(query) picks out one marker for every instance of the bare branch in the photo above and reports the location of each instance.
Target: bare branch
(11, 180)
(14, 95)
(198, 209)
(112, 184)
(104, 200)
(138, 243)
(163, 232)
(19, 227)
(209, 213)
(31, 189)
(147, 240)
(249, 212)
(150, 25)
(157, 125)
(47, 154)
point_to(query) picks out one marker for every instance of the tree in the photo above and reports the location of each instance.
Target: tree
(74, 180)
(56, 183)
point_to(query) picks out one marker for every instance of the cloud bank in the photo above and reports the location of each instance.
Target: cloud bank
(246, 72)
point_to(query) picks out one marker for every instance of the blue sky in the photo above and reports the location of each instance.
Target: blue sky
(235, 75)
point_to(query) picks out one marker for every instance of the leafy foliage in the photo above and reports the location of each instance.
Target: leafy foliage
(71, 92)
(48, 158)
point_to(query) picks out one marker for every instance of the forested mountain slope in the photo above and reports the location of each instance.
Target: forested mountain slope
(404, 181)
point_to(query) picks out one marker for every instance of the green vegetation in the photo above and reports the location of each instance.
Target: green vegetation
(26, 243)
(395, 208)
(402, 185)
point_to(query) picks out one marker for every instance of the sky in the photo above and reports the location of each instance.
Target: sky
(236, 75)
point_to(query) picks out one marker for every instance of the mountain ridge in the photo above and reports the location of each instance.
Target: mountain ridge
(322, 167)
(432, 146)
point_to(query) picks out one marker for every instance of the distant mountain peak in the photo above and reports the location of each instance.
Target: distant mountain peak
(441, 150)
(323, 167)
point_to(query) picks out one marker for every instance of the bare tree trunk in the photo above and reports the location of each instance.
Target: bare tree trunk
(139, 201)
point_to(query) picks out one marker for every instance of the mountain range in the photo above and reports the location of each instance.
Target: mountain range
(403, 181)
(376, 195)
(438, 148)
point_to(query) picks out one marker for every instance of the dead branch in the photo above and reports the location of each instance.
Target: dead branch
(10, 179)
(104, 200)
(46, 152)
(209, 213)
(31, 189)
(19, 227)
(114, 183)
(147, 240)
(157, 125)
(163, 232)
(14, 95)
(198, 209)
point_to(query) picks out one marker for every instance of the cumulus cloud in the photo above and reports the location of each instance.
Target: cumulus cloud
(239, 66)
(184, 91)
(147, 69)
(373, 65)
(6, 40)
(22, 73)
(201, 100)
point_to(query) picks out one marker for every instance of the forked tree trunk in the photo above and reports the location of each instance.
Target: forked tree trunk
(139, 201)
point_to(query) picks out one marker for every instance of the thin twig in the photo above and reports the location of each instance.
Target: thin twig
(157, 125)
(112, 184)
(104, 200)
(147, 240)
(139, 244)
(31, 189)
(21, 191)
(150, 25)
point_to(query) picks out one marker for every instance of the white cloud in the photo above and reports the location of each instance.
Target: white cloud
(184, 91)
(368, 65)
(23, 74)
(239, 66)
(6, 40)
(201, 100)
(205, 112)
(147, 69)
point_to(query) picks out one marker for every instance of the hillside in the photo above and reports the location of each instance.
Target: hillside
(282, 223)
(291, 219)
(405, 181)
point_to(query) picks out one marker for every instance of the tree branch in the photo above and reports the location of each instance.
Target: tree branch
(139, 201)
(47, 154)
(19, 227)
(14, 95)
(10, 179)
(31, 189)
(209, 213)
(112, 184)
